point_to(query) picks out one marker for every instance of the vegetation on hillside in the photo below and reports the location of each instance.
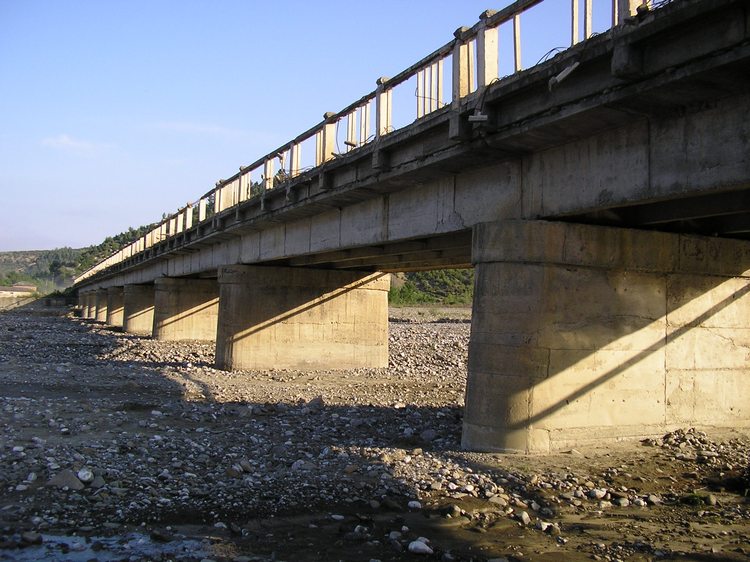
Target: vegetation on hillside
(439, 286)
(52, 270)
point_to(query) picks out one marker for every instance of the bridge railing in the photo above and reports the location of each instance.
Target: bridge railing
(473, 57)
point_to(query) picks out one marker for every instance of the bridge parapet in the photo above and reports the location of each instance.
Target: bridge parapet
(474, 58)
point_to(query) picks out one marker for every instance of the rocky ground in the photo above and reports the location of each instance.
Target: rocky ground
(115, 447)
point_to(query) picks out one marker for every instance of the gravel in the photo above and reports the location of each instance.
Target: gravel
(103, 431)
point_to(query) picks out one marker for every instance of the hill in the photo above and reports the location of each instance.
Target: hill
(55, 270)
(439, 286)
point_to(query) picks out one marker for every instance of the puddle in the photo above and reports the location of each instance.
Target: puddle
(133, 546)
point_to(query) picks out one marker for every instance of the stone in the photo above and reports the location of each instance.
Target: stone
(32, 537)
(653, 499)
(428, 435)
(86, 476)
(498, 500)
(66, 479)
(418, 547)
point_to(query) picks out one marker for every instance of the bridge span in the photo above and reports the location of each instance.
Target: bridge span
(602, 196)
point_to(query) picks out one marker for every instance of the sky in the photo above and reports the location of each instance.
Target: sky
(113, 112)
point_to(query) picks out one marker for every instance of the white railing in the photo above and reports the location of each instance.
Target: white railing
(474, 57)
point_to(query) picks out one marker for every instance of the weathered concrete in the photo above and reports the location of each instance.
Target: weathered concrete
(91, 305)
(138, 309)
(114, 306)
(282, 317)
(586, 333)
(101, 305)
(185, 309)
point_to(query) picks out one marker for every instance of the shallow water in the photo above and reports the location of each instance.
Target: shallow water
(133, 546)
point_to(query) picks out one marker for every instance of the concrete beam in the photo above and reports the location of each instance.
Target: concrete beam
(278, 317)
(583, 333)
(185, 309)
(138, 309)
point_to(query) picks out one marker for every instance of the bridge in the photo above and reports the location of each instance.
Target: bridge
(602, 197)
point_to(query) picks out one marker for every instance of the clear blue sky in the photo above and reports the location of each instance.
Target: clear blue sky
(116, 111)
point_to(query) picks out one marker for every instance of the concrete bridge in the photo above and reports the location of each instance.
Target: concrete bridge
(603, 198)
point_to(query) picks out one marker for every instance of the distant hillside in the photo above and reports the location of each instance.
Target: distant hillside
(55, 270)
(440, 286)
(49, 270)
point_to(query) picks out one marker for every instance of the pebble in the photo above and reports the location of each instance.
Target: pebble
(419, 547)
(159, 441)
(86, 476)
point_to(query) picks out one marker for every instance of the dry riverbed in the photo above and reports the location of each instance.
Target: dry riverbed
(115, 447)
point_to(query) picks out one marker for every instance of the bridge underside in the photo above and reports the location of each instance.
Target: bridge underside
(607, 219)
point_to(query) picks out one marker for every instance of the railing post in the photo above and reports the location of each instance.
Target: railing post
(217, 197)
(189, 216)
(487, 51)
(383, 109)
(202, 209)
(351, 131)
(268, 174)
(295, 157)
(517, 41)
(625, 9)
(329, 137)
(421, 96)
(461, 82)
(436, 85)
(364, 123)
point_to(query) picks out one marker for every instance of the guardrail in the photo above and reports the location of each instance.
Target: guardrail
(474, 58)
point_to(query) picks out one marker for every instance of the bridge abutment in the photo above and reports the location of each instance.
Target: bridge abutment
(114, 306)
(101, 305)
(584, 333)
(284, 317)
(138, 309)
(185, 309)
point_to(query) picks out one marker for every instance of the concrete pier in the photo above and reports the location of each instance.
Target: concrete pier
(138, 309)
(101, 305)
(583, 333)
(185, 309)
(85, 301)
(88, 304)
(283, 317)
(114, 306)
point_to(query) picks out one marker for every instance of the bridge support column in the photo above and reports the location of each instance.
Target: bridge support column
(185, 309)
(583, 333)
(284, 317)
(87, 304)
(85, 300)
(101, 305)
(114, 306)
(138, 309)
